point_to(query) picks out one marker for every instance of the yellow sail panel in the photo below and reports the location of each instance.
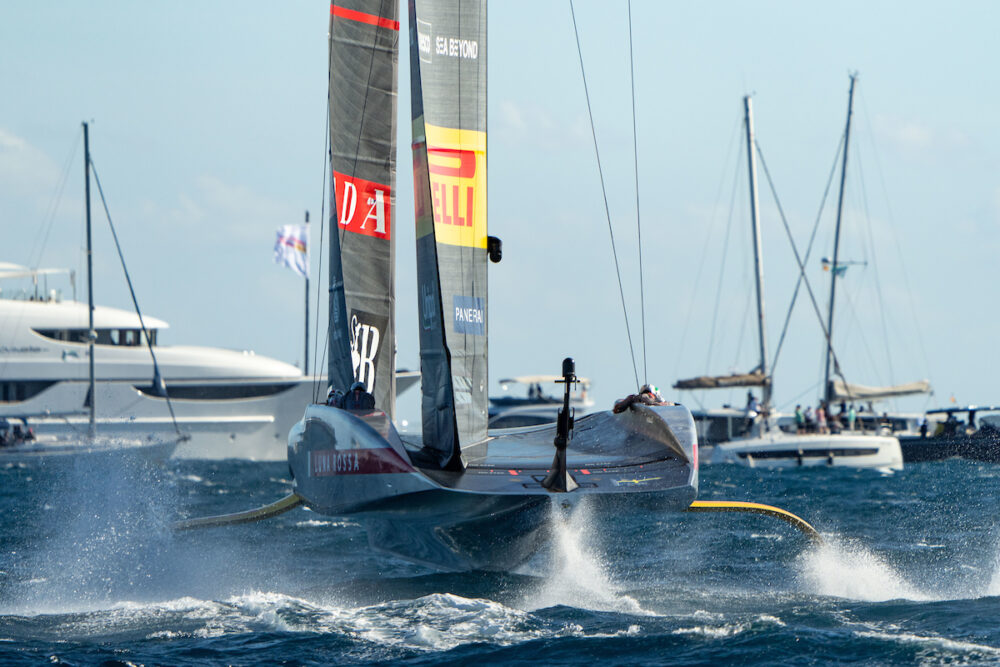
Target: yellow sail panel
(456, 167)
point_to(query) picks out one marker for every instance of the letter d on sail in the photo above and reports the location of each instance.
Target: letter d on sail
(348, 202)
(376, 206)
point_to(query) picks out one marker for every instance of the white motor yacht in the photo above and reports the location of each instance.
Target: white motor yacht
(775, 448)
(233, 404)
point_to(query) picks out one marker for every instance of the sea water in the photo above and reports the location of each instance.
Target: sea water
(90, 572)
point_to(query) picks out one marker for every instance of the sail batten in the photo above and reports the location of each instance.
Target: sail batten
(364, 48)
(448, 94)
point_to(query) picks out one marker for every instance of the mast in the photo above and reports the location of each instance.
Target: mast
(305, 364)
(364, 54)
(448, 102)
(827, 391)
(757, 255)
(91, 334)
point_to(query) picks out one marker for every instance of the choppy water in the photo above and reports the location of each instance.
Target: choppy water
(90, 572)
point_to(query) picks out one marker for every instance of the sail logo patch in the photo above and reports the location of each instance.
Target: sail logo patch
(470, 315)
(456, 170)
(364, 207)
(366, 338)
(424, 40)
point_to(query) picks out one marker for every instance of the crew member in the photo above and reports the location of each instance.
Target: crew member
(358, 398)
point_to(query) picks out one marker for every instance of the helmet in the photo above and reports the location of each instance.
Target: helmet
(652, 390)
(358, 386)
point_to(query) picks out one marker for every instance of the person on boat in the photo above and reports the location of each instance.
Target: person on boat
(852, 416)
(649, 394)
(752, 410)
(821, 418)
(800, 420)
(359, 398)
(810, 421)
(335, 398)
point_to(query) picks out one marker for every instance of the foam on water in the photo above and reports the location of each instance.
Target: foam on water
(850, 570)
(436, 622)
(105, 519)
(574, 575)
(964, 649)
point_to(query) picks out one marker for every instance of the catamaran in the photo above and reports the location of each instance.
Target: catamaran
(458, 497)
(764, 443)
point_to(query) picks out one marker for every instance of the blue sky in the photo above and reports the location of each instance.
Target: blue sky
(208, 133)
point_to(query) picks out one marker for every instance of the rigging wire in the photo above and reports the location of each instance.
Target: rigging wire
(318, 360)
(874, 259)
(35, 256)
(809, 247)
(802, 267)
(704, 250)
(895, 236)
(604, 193)
(722, 265)
(135, 301)
(638, 222)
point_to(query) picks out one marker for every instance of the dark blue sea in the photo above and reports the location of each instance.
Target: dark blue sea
(91, 573)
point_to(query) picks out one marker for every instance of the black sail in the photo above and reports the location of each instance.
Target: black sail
(364, 55)
(448, 92)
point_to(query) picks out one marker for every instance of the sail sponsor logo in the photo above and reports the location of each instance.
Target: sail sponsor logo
(470, 315)
(456, 168)
(364, 207)
(424, 38)
(454, 47)
(366, 338)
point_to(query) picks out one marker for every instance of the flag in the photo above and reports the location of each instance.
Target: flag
(292, 248)
(838, 270)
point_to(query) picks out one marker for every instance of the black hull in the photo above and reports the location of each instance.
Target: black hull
(983, 447)
(494, 514)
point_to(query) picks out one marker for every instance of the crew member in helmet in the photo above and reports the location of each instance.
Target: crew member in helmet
(358, 398)
(648, 395)
(335, 398)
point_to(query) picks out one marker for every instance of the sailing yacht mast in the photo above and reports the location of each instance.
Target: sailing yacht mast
(758, 259)
(827, 389)
(91, 334)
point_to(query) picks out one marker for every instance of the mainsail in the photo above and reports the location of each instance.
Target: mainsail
(364, 54)
(755, 379)
(846, 391)
(448, 90)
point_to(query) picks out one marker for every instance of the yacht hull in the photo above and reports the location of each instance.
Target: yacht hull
(253, 428)
(494, 515)
(781, 450)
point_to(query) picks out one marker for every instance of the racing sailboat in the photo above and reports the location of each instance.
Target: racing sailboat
(459, 497)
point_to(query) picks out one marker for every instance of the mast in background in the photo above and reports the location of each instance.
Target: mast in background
(757, 255)
(827, 389)
(305, 363)
(91, 334)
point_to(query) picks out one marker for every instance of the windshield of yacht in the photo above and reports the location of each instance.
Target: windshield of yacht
(123, 337)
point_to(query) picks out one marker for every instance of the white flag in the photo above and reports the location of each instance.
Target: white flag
(292, 248)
